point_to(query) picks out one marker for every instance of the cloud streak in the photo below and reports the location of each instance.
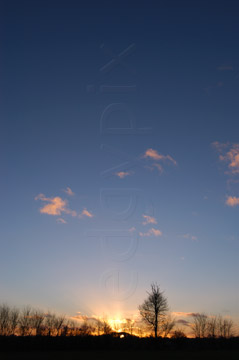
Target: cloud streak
(69, 192)
(86, 213)
(151, 154)
(123, 174)
(149, 220)
(225, 68)
(184, 314)
(61, 221)
(151, 232)
(188, 236)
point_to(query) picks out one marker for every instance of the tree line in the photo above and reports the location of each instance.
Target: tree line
(154, 312)
(30, 321)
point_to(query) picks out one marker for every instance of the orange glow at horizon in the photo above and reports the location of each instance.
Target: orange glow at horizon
(117, 324)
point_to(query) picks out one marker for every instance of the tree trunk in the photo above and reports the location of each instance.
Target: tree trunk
(156, 330)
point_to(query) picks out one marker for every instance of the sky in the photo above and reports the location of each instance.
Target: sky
(119, 155)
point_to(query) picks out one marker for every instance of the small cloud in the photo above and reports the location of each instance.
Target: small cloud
(232, 201)
(56, 206)
(188, 236)
(184, 314)
(149, 220)
(180, 313)
(123, 174)
(69, 192)
(86, 213)
(151, 232)
(219, 146)
(183, 322)
(153, 154)
(228, 153)
(61, 221)
(158, 167)
(225, 68)
(132, 229)
(156, 232)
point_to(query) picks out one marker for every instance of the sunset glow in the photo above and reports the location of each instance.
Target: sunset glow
(120, 164)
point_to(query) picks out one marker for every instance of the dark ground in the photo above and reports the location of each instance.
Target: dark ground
(122, 355)
(112, 347)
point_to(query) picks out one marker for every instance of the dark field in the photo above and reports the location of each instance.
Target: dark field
(123, 355)
(112, 347)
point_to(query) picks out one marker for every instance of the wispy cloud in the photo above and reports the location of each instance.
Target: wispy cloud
(56, 206)
(225, 68)
(123, 174)
(61, 221)
(228, 153)
(149, 220)
(183, 313)
(183, 322)
(132, 229)
(188, 236)
(151, 232)
(69, 192)
(232, 201)
(158, 167)
(86, 213)
(153, 154)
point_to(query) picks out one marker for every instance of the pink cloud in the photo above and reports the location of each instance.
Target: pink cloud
(151, 232)
(123, 174)
(153, 154)
(189, 236)
(229, 153)
(158, 167)
(149, 220)
(232, 201)
(184, 314)
(86, 213)
(61, 221)
(56, 206)
(69, 192)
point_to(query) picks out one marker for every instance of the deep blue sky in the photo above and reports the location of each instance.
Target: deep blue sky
(184, 66)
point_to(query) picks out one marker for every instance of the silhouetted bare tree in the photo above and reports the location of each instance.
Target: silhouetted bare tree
(154, 308)
(59, 323)
(14, 317)
(4, 319)
(212, 326)
(225, 327)
(37, 319)
(99, 326)
(167, 325)
(68, 328)
(26, 321)
(54, 324)
(178, 334)
(50, 323)
(106, 327)
(199, 325)
(129, 326)
(86, 329)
